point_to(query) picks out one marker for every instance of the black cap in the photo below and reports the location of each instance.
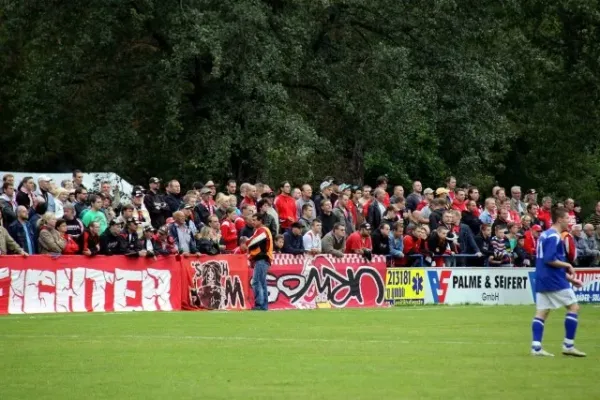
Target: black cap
(148, 228)
(365, 225)
(115, 221)
(154, 180)
(137, 193)
(267, 195)
(186, 207)
(131, 221)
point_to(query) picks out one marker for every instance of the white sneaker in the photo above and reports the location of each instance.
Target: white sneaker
(541, 353)
(572, 351)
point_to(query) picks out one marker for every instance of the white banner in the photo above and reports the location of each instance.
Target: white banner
(490, 286)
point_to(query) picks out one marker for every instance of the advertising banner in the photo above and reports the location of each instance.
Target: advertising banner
(45, 284)
(216, 282)
(590, 292)
(405, 286)
(479, 286)
(324, 281)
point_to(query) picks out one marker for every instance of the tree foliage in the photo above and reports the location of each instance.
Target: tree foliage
(266, 89)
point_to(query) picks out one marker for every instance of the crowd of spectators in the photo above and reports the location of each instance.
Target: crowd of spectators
(451, 226)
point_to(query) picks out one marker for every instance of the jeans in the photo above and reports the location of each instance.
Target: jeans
(259, 285)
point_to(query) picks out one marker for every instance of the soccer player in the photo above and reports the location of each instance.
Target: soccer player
(553, 274)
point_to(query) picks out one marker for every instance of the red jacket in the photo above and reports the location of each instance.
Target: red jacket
(458, 205)
(386, 199)
(248, 200)
(286, 208)
(71, 246)
(545, 216)
(229, 235)
(530, 243)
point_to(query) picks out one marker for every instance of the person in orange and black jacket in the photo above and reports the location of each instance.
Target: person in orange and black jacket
(260, 253)
(286, 207)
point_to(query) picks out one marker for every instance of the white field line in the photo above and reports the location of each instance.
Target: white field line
(223, 312)
(93, 338)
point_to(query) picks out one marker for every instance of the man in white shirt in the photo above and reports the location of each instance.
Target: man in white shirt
(312, 238)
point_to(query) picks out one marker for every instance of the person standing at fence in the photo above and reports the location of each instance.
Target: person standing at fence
(553, 290)
(260, 254)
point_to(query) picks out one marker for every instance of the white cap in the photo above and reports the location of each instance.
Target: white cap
(45, 178)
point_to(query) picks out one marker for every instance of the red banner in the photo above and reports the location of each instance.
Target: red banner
(324, 281)
(216, 282)
(45, 284)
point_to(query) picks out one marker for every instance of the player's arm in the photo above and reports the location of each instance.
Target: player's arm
(550, 248)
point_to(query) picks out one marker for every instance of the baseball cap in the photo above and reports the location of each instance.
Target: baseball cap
(440, 191)
(343, 187)
(267, 195)
(186, 207)
(531, 191)
(137, 193)
(365, 225)
(205, 190)
(210, 184)
(428, 191)
(536, 228)
(148, 228)
(154, 180)
(45, 178)
(131, 221)
(115, 221)
(325, 185)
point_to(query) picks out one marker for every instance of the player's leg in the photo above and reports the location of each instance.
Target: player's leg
(571, 322)
(537, 330)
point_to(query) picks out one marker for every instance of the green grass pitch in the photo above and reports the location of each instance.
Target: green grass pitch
(465, 352)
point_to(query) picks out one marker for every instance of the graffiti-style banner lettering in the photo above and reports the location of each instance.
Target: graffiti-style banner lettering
(325, 282)
(44, 284)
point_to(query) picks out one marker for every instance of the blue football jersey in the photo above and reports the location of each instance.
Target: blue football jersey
(550, 248)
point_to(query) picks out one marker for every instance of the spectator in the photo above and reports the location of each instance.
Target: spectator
(460, 203)
(71, 247)
(206, 242)
(269, 222)
(413, 199)
(50, 240)
(182, 234)
(470, 217)
(327, 218)
(278, 243)
(132, 238)
(45, 187)
(382, 183)
(305, 198)
(8, 204)
(91, 240)
(260, 253)
(342, 214)
(530, 240)
(473, 195)
(111, 241)
(484, 244)
(229, 231)
(398, 192)
(501, 256)
(285, 205)
(7, 178)
(233, 203)
(515, 202)
(173, 197)
(25, 196)
(148, 242)
(221, 206)
(391, 217)
(23, 232)
(521, 258)
(140, 212)
(250, 196)
(525, 224)
(511, 236)
(428, 197)
(503, 218)
(7, 243)
(545, 213)
(360, 242)
(488, 216)
(81, 197)
(114, 195)
(165, 243)
(570, 206)
(213, 191)
(380, 240)
(269, 196)
(590, 238)
(365, 200)
(354, 206)
(513, 216)
(442, 193)
(67, 184)
(74, 225)
(232, 190)
(312, 239)
(40, 209)
(439, 245)
(396, 244)
(306, 218)
(585, 256)
(61, 197)
(107, 209)
(155, 203)
(594, 219)
(415, 246)
(500, 195)
(95, 214)
(215, 232)
(78, 179)
(334, 242)
(466, 239)
(326, 190)
(296, 194)
(240, 222)
(437, 206)
(293, 241)
(204, 208)
(451, 187)
(532, 212)
(248, 229)
(577, 210)
(377, 208)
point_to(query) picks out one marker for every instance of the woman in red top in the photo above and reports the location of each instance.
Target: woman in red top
(91, 240)
(229, 230)
(286, 207)
(71, 246)
(415, 244)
